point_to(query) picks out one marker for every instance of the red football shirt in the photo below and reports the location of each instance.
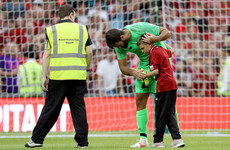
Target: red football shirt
(159, 59)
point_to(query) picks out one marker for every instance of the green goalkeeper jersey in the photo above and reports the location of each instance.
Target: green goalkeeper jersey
(136, 30)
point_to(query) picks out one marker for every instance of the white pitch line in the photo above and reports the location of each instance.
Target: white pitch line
(111, 135)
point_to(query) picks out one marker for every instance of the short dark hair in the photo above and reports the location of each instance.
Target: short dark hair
(65, 10)
(226, 49)
(112, 36)
(110, 50)
(140, 40)
(30, 52)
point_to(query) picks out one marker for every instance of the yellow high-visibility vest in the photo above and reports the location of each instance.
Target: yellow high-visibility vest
(68, 55)
(31, 80)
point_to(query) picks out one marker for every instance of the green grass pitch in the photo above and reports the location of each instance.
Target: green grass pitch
(113, 143)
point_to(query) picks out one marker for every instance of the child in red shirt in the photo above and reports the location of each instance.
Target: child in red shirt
(166, 91)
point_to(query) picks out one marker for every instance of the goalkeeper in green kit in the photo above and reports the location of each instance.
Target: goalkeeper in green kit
(126, 40)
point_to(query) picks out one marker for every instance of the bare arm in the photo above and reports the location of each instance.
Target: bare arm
(45, 67)
(130, 72)
(100, 80)
(164, 34)
(121, 90)
(45, 63)
(89, 54)
(8, 73)
(124, 69)
(152, 73)
(169, 48)
(151, 38)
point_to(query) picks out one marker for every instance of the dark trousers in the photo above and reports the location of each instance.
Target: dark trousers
(165, 115)
(74, 90)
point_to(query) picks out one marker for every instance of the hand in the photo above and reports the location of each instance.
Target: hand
(150, 38)
(139, 74)
(15, 72)
(45, 82)
(202, 93)
(121, 93)
(101, 94)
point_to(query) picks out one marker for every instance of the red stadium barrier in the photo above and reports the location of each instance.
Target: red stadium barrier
(114, 114)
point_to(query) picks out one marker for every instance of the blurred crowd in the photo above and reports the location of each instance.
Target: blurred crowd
(200, 33)
(200, 29)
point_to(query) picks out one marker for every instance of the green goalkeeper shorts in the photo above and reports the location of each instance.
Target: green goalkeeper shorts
(150, 89)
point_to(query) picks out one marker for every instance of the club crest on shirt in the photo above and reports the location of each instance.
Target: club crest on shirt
(151, 67)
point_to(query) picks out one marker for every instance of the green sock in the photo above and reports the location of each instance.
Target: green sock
(177, 119)
(142, 120)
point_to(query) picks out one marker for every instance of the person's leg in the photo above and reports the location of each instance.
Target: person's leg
(75, 96)
(142, 95)
(173, 124)
(177, 118)
(172, 121)
(142, 113)
(161, 116)
(142, 119)
(111, 92)
(50, 112)
(108, 93)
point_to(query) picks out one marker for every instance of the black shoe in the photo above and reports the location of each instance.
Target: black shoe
(78, 146)
(31, 144)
